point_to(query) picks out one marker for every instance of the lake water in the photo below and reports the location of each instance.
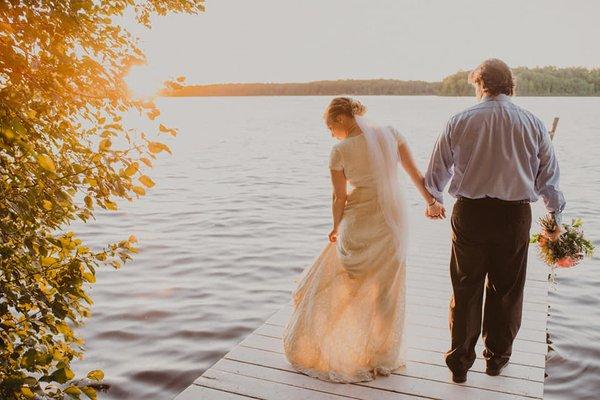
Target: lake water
(242, 206)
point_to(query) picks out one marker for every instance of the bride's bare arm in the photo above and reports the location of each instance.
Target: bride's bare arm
(409, 165)
(338, 180)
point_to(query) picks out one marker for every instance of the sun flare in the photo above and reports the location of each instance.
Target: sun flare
(144, 81)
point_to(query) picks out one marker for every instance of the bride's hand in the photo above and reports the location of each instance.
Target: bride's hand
(436, 210)
(333, 235)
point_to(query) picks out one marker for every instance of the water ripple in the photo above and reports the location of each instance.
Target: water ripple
(242, 207)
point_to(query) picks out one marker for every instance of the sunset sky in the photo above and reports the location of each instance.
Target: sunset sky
(297, 41)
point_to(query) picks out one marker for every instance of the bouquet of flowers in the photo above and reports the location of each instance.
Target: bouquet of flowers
(568, 250)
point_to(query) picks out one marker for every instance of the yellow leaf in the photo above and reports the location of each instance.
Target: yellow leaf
(166, 148)
(48, 261)
(46, 162)
(132, 239)
(146, 161)
(155, 147)
(67, 243)
(90, 181)
(88, 276)
(170, 131)
(96, 375)
(152, 114)
(111, 205)
(101, 120)
(105, 144)
(47, 205)
(64, 329)
(131, 169)
(69, 373)
(88, 201)
(83, 250)
(146, 181)
(74, 390)
(8, 133)
(27, 392)
(139, 190)
(89, 392)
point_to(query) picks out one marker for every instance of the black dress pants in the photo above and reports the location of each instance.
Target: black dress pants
(490, 239)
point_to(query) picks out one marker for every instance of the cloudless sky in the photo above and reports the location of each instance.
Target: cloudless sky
(297, 41)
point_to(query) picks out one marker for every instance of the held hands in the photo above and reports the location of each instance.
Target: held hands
(435, 210)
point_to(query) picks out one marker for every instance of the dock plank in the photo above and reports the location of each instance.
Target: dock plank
(257, 368)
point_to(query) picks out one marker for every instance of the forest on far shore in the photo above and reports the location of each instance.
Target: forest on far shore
(541, 81)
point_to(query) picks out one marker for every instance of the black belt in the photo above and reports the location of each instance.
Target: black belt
(492, 200)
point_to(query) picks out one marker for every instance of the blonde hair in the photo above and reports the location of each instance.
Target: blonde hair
(343, 106)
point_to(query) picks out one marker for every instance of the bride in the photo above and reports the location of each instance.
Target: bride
(348, 318)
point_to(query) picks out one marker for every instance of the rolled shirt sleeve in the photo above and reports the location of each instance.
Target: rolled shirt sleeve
(439, 170)
(548, 175)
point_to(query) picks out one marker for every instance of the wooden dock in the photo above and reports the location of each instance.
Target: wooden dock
(257, 368)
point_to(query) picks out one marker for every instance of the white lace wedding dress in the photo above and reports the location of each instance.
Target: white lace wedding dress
(348, 318)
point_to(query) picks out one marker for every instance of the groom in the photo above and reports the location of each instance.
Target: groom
(500, 159)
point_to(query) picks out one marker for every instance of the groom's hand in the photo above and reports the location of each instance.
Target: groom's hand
(554, 235)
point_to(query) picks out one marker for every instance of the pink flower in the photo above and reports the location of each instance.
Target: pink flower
(565, 262)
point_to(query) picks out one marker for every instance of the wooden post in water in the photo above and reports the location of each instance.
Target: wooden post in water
(553, 129)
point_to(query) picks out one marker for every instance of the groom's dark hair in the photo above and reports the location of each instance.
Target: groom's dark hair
(494, 77)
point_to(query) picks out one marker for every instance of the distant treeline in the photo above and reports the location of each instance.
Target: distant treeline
(317, 88)
(545, 81)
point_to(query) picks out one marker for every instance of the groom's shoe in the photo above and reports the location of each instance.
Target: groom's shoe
(459, 377)
(495, 367)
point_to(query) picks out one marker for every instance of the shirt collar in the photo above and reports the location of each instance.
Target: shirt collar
(499, 97)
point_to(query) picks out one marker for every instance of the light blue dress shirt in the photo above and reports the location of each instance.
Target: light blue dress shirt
(497, 149)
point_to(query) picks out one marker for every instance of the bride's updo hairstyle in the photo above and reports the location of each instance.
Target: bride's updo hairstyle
(343, 106)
